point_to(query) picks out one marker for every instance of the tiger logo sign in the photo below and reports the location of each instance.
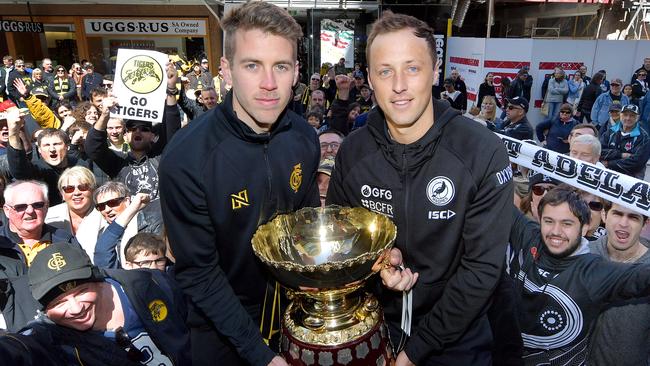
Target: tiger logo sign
(140, 84)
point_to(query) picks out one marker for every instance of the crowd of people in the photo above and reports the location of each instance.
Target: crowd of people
(125, 242)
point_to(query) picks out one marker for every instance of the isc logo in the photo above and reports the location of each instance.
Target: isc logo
(441, 215)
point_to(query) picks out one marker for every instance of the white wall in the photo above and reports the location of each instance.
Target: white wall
(504, 57)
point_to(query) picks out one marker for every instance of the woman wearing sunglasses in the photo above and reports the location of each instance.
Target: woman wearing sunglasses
(77, 213)
(595, 204)
(538, 185)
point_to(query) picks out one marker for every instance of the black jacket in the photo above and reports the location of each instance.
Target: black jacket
(219, 180)
(446, 200)
(561, 298)
(636, 143)
(138, 175)
(588, 98)
(12, 92)
(16, 302)
(22, 167)
(522, 130)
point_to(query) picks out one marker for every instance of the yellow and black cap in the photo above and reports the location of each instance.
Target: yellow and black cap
(59, 268)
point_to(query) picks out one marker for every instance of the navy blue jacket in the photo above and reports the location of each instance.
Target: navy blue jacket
(558, 132)
(614, 144)
(219, 180)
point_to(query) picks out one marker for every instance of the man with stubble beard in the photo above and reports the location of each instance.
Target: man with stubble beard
(231, 170)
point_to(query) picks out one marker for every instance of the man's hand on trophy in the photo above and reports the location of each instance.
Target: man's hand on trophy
(394, 275)
(278, 361)
(403, 360)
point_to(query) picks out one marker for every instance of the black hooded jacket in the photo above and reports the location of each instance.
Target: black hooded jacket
(446, 193)
(219, 180)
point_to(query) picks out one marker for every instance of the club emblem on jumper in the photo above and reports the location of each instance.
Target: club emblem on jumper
(296, 177)
(628, 146)
(142, 74)
(440, 191)
(56, 262)
(158, 310)
(239, 200)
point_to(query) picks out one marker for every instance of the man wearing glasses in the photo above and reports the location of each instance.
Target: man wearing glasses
(25, 235)
(18, 72)
(330, 141)
(516, 124)
(126, 217)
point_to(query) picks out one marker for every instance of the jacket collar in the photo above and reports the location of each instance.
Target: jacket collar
(243, 131)
(418, 152)
(636, 131)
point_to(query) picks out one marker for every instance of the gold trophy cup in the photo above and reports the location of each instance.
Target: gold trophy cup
(323, 256)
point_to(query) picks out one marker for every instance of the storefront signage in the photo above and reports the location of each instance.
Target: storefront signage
(19, 26)
(184, 27)
(140, 84)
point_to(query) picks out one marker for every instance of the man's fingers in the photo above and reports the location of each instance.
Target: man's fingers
(395, 257)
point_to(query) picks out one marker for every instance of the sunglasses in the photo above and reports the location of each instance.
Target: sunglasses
(60, 70)
(511, 107)
(110, 203)
(81, 187)
(19, 65)
(122, 339)
(21, 207)
(642, 74)
(615, 84)
(595, 205)
(539, 190)
(141, 128)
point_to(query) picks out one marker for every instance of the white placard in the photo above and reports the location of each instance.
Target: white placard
(185, 27)
(336, 41)
(140, 85)
(613, 186)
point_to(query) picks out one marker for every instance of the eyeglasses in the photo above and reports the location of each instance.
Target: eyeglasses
(21, 207)
(565, 112)
(141, 128)
(81, 187)
(122, 339)
(110, 203)
(147, 263)
(595, 205)
(540, 190)
(329, 145)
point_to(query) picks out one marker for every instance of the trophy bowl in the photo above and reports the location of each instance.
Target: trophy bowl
(325, 247)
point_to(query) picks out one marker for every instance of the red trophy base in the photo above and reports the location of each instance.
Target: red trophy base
(371, 349)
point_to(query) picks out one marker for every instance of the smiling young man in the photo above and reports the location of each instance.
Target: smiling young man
(447, 180)
(563, 288)
(231, 170)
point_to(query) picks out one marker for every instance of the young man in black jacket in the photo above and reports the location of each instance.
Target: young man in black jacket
(231, 170)
(138, 169)
(562, 288)
(445, 182)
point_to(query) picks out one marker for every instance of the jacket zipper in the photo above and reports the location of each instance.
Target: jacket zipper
(269, 174)
(406, 205)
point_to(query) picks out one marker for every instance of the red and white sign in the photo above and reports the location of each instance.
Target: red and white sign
(501, 70)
